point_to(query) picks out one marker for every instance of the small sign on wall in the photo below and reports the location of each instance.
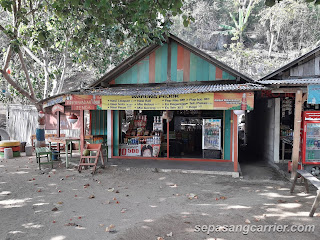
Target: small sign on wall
(313, 94)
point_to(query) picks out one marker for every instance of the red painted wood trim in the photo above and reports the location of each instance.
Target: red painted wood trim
(81, 130)
(173, 159)
(152, 67)
(58, 129)
(186, 65)
(111, 133)
(235, 130)
(218, 73)
(231, 135)
(180, 57)
(113, 82)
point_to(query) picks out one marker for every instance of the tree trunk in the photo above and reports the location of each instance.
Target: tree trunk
(271, 43)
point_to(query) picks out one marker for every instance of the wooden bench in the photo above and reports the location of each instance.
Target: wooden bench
(40, 151)
(306, 176)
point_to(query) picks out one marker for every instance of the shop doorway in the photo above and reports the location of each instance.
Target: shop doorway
(192, 134)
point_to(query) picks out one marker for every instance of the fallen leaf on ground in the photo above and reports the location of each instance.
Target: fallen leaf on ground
(110, 189)
(117, 202)
(59, 202)
(257, 219)
(75, 195)
(114, 198)
(223, 198)
(173, 185)
(217, 199)
(247, 221)
(123, 210)
(192, 195)
(160, 238)
(110, 228)
(117, 191)
(39, 190)
(79, 217)
(54, 209)
(53, 221)
(70, 224)
(86, 185)
(281, 201)
(169, 234)
(101, 225)
(91, 196)
(297, 201)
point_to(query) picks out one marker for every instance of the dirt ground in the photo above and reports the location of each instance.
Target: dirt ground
(141, 204)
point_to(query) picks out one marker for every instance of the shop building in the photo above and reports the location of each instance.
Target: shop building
(281, 117)
(166, 102)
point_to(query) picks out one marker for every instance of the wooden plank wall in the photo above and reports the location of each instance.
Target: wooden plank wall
(185, 67)
(309, 68)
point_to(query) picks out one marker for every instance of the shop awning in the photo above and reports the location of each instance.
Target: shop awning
(169, 90)
(164, 97)
(292, 82)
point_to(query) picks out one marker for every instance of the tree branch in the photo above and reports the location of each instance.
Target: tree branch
(4, 31)
(17, 87)
(7, 59)
(34, 57)
(19, 5)
(46, 74)
(2, 28)
(23, 65)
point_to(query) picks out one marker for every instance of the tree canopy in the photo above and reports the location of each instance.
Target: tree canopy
(43, 41)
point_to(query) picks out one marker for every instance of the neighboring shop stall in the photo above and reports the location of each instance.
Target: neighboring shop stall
(294, 100)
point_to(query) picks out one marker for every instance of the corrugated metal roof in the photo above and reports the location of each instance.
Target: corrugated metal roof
(294, 82)
(167, 90)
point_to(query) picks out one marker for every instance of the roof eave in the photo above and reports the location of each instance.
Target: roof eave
(290, 64)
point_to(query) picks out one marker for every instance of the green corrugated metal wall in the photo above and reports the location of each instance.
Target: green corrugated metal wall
(99, 122)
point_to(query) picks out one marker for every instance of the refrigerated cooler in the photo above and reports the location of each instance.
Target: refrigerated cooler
(211, 138)
(310, 154)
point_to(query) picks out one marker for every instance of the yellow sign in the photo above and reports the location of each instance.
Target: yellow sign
(193, 101)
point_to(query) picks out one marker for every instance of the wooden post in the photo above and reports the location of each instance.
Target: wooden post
(296, 133)
(81, 131)
(58, 129)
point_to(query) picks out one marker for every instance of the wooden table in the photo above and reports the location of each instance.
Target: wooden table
(66, 141)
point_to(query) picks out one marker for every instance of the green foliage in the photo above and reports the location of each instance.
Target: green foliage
(92, 34)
